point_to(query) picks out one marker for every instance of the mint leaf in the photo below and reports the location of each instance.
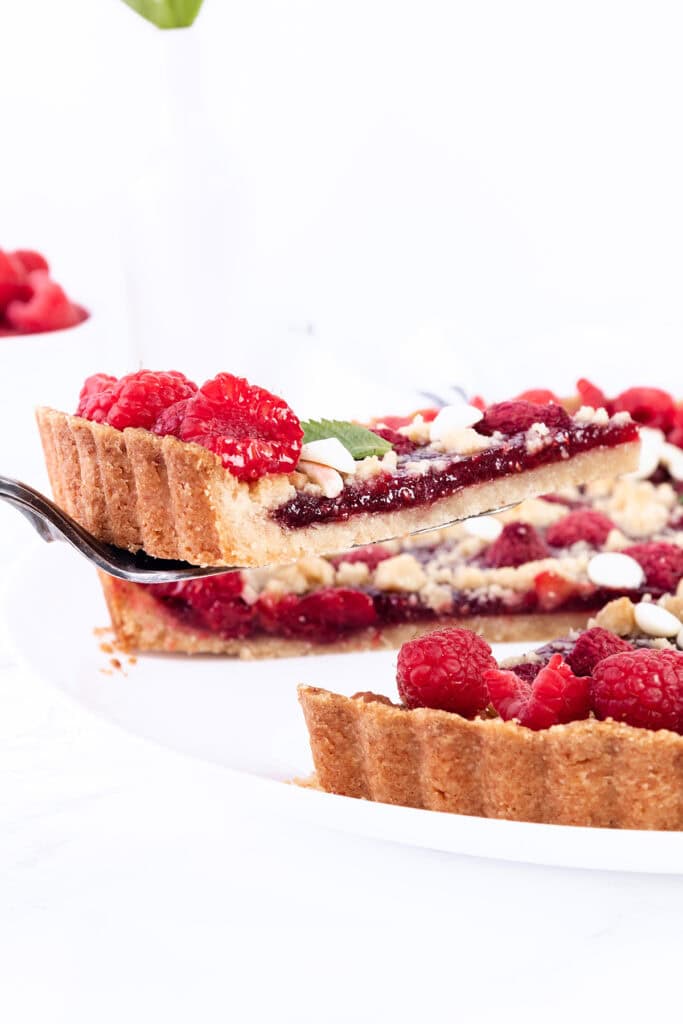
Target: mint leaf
(360, 441)
(167, 13)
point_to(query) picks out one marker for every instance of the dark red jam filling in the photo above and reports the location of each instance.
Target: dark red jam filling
(327, 615)
(407, 489)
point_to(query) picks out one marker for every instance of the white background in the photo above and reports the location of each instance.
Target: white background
(346, 201)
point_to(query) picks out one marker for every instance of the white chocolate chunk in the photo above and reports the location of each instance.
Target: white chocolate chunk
(453, 418)
(651, 444)
(672, 458)
(328, 480)
(615, 570)
(483, 527)
(656, 621)
(329, 452)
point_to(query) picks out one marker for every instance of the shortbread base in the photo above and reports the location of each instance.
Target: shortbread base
(589, 773)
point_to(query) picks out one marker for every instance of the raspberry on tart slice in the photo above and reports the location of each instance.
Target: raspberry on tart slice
(226, 474)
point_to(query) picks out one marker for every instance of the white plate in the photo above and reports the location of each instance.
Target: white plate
(206, 708)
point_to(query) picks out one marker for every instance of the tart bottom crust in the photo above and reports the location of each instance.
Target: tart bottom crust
(173, 499)
(587, 773)
(142, 624)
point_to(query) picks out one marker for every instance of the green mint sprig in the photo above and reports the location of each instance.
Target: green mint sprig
(167, 13)
(358, 440)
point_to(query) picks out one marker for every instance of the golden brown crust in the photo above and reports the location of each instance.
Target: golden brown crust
(136, 490)
(142, 624)
(587, 773)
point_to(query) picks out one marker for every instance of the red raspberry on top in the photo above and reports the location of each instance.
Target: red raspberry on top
(554, 697)
(445, 669)
(662, 563)
(135, 400)
(253, 431)
(518, 543)
(585, 524)
(591, 395)
(650, 406)
(541, 396)
(643, 688)
(517, 417)
(553, 590)
(401, 444)
(592, 647)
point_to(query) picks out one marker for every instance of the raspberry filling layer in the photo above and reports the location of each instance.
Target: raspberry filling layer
(444, 475)
(229, 606)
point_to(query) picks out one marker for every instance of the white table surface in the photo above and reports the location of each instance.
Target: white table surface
(139, 885)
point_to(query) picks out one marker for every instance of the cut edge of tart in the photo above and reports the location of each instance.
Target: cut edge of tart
(592, 771)
(142, 625)
(174, 499)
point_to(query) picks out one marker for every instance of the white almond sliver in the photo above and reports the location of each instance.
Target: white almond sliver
(672, 457)
(483, 527)
(656, 621)
(616, 571)
(329, 452)
(651, 444)
(451, 418)
(328, 480)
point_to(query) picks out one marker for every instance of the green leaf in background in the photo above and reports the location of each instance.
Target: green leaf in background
(360, 441)
(167, 13)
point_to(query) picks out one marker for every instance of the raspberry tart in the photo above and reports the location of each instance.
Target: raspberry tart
(587, 730)
(226, 474)
(528, 574)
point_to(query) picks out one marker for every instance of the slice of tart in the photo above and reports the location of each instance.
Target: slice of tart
(531, 573)
(586, 731)
(226, 474)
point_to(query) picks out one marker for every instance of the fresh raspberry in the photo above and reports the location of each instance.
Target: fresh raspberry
(96, 397)
(140, 398)
(585, 524)
(555, 696)
(253, 431)
(31, 260)
(371, 556)
(517, 417)
(402, 445)
(322, 615)
(675, 435)
(518, 543)
(650, 406)
(662, 563)
(445, 669)
(591, 395)
(553, 590)
(216, 600)
(642, 688)
(541, 396)
(13, 282)
(47, 309)
(592, 647)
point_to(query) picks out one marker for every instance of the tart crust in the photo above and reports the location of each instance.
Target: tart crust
(141, 624)
(175, 500)
(587, 773)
